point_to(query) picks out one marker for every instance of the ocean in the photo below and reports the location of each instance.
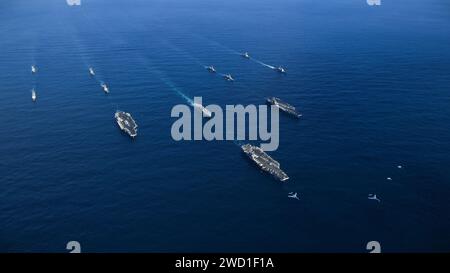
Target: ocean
(372, 83)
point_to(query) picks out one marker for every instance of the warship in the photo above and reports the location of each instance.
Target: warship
(264, 161)
(105, 88)
(126, 123)
(280, 69)
(228, 77)
(283, 106)
(33, 95)
(211, 69)
(206, 113)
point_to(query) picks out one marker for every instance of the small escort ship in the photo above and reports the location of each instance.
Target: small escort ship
(228, 77)
(211, 69)
(33, 95)
(280, 69)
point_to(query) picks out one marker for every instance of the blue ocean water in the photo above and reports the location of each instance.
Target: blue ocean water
(373, 84)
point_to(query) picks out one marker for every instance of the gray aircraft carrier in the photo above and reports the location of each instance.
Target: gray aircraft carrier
(283, 106)
(126, 123)
(264, 161)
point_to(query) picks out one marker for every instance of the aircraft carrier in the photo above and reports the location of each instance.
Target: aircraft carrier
(283, 106)
(264, 161)
(126, 123)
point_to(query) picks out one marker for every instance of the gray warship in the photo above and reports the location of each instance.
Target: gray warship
(280, 69)
(228, 77)
(264, 161)
(211, 69)
(283, 106)
(126, 123)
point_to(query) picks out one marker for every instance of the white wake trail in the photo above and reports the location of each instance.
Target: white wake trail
(165, 79)
(263, 64)
(172, 86)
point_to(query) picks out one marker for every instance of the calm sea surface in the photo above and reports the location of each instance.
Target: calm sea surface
(373, 84)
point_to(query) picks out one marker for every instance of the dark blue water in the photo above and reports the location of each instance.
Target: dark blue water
(373, 84)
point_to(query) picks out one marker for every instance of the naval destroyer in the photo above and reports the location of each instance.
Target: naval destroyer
(264, 161)
(280, 69)
(105, 88)
(33, 95)
(228, 77)
(211, 69)
(126, 123)
(283, 106)
(205, 112)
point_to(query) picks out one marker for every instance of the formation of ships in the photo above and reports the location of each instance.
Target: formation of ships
(278, 69)
(261, 158)
(245, 55)
(33, 91)
(33, 95)
(204, 110)
(127, 124)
